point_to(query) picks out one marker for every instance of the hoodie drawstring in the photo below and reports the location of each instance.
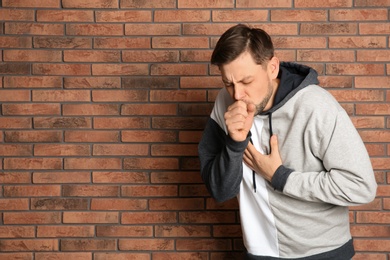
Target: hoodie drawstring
(271, 134)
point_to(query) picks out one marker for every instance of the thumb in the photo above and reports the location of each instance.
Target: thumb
(251, 108)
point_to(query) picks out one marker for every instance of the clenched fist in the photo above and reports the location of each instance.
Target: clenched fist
(239, 119)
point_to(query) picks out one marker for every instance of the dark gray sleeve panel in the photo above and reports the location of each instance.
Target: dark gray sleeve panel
(221, 162)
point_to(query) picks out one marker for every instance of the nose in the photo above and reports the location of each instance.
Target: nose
(238, 92)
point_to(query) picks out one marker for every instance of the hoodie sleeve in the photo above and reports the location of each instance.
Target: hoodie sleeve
(221, 162)
(348, 178)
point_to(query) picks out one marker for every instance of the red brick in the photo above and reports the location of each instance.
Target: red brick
(153, 136)
(17, 232)
(181, 123)
(150, 56)
(59, 204)
(204, 82)
(178, 69)
(176, 204)
(373, 217)
(91, 56)
(92, 163)
(181, 16)
(380, 163)
(299, 15)
(17, 256)
(358, 14)
(62, 122)
(149, 191)
(90, 190)
(181, 256)
(375, 149)
(118, 204)
(61, 69)
(88, 244)
(370, 231)
(207, 217)
(123, 16)
(180, 42)
(91, 136)
(386, 203)
(231, 204)
(92, 82)
(190, 136)
(364, 3)
(325, 55)
(204, 244)
(14, 95)
(374, 28)
(148, 4)
(178, 95)
(326, 3)
(378, 136)
(62, 42)
(90, 4)
(122, 43)
(149, 109)
(61, 150)
(239, 15)
(121, 123)
(34, 245)
(225, 231)
(152, 29)
(32, 163)
(148, 217)
(15, 177)
(373, 109)
(355, 69)
(34, 28)
(146, 244)
(120, 177)
(32, 3)
(174, 150)
(90, 217)
(64, 16)
(15, 150)
(63, 256)
(192, 190)
(263, 4)
(124, 231)
(121, 256)
(33, 136)
(13, 204)
(120, 69)
(374, 245)
(32, 191)
(368, 122)
(281, 42)
(65, 231)
(90, 109)
(373, 55)
(33, 82)
(119, 95)
(16, 15)
(151, 163)
(61, 177)
(182, 231)
(15, 42)
(176, 177)
(328, 29)
(121, 149)
(372, 82)
(357, 42)
(95, 29)
(31, 109)
(30, 218)
(195, 55)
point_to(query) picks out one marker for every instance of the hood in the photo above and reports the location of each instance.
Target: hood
(293, 77)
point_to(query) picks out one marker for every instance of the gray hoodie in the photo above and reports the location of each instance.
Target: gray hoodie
(303, 212)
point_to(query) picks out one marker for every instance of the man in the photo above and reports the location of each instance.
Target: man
(286, 149)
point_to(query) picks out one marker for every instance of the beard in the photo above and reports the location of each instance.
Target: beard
(260, 107)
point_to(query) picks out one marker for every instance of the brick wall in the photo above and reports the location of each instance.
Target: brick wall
(103, 103)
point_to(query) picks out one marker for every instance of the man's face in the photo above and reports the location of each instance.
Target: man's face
(249, 82)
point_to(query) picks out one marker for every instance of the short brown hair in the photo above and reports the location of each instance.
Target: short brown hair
(240, 38)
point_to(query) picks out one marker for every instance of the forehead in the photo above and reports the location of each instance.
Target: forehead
(242, 67)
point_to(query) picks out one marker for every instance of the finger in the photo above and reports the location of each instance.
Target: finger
(274, 144)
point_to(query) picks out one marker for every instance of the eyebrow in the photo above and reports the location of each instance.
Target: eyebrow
(229, 82)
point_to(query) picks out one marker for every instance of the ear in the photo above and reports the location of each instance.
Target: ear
(273, 67)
